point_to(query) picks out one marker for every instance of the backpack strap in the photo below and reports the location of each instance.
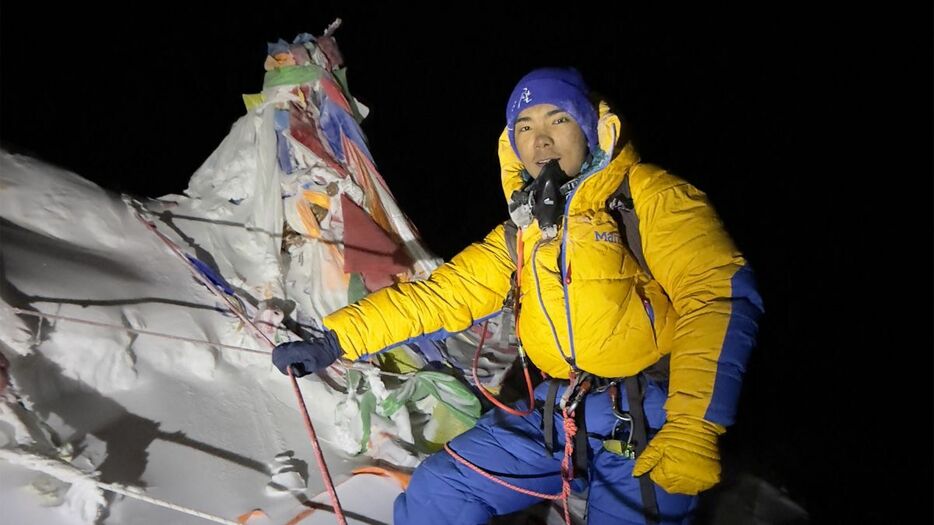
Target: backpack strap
(635, 390)
(511, 230)
(622, 207)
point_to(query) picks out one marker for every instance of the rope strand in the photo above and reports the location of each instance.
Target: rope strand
(322, 466)
(525, 368)
(487, 475)
(486, 393)
(348, 364)
(162, 503)
(70, 474)
(567, 471)
(570, 429)
(136, 330)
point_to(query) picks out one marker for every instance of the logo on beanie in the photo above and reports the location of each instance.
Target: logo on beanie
(561, 87)
(525, 96)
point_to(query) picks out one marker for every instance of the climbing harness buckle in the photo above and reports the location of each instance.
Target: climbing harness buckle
(580, 385)
(614, 444)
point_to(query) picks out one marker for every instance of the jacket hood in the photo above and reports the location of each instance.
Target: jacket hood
(597, 181)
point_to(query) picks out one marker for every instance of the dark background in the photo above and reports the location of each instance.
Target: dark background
(810, 132)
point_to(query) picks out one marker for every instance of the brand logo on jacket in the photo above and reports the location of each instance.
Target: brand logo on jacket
(613, 237)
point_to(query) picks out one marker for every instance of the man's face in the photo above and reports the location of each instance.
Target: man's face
(546, 132)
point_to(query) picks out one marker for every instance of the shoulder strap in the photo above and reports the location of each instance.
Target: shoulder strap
(510, 230)
(622, 206)
(635, 390)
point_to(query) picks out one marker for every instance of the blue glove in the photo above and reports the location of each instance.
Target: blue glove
(306, 357)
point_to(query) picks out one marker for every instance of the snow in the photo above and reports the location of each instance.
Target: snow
(213, 429)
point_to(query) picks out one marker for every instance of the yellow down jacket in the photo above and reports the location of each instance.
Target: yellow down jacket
(584, 298)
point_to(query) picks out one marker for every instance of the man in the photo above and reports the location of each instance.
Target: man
(669, 305)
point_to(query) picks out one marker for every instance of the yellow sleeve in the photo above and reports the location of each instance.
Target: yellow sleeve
(473, 285)
(711, 290)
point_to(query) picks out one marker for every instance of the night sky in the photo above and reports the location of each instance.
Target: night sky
(811, 134)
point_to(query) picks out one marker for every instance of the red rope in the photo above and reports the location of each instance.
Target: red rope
(567, 472)
(486, 393)
(570, 429)
(322, 466)
(506, 484)
(525, 369)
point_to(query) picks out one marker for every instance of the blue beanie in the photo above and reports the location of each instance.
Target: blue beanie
(562, 87)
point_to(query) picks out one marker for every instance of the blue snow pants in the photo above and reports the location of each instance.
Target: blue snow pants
(442, 490)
